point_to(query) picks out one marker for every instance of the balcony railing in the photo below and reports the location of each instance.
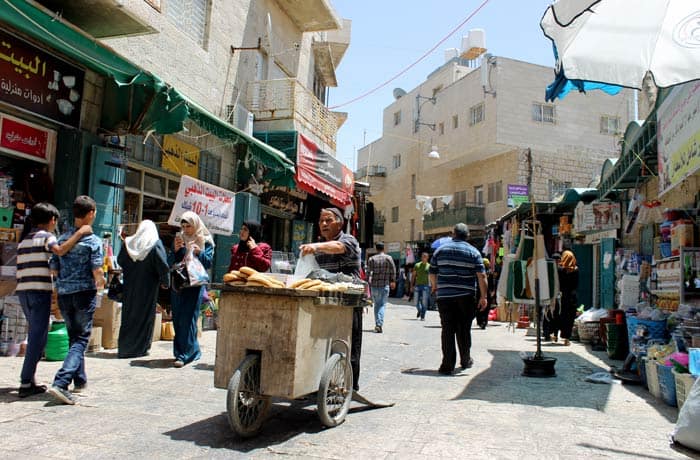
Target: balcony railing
(287, 98)
(472, 215)
(374, 170)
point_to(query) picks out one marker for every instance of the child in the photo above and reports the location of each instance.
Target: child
(34, 286)
(80, 275)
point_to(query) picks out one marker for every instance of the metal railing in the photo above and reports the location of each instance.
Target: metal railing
(372, 171)
(470, 215)
(287, 98)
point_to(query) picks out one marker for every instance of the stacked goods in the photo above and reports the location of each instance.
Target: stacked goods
(250, 277)
(629, 290)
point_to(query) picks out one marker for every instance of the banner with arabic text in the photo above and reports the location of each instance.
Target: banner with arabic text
(214, 205)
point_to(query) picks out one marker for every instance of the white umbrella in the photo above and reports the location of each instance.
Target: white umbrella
(619, 41)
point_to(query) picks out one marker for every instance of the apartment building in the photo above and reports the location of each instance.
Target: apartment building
(461, 138)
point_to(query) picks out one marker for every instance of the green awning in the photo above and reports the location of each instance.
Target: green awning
(168, 108)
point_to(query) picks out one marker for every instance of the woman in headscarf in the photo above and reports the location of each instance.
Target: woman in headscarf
(186, 302)
(250, 251)
(568, 283)
(144, 266)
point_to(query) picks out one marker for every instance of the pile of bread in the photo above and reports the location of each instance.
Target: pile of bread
(250, 277)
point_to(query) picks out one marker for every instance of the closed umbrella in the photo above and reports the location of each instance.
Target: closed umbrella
(619, 41)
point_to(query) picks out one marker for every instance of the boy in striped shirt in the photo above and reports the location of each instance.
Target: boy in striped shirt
(34, 286)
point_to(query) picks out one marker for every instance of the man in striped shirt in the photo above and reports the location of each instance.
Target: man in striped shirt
(456, 272)
(34, 287)
(382, 273)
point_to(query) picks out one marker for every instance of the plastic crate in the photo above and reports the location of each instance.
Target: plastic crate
(616, 343)
(653, 378)
(667, 384)
(684, 382)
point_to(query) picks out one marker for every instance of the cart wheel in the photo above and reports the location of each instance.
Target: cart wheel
(245, 405)
(335, 390)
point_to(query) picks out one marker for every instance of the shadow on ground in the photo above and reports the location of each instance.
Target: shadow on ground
(161, 363)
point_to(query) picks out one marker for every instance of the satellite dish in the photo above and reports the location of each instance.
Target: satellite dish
(399, 93)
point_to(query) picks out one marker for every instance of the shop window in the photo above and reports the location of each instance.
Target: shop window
(191, 17)
(543, 113)
(609, 125)
(395, 214)
(495, 192)
(133, 178)
(154, 184)
(476, 114)
(209, 167)
(172, 189)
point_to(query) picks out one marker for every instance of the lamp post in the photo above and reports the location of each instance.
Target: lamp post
(419, 105)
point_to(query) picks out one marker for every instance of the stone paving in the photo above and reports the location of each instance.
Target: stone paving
(145, 408)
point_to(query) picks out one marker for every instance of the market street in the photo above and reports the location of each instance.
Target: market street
(145, 408)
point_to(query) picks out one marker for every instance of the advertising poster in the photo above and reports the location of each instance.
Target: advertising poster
(517, 195)
(214, 205)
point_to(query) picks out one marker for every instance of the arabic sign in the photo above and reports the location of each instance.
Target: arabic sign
(214, 205)
(322, 172)
(678, 134)
(180, 157)
(597, 216)
(517, 195)
(19, 136)
(39, 82)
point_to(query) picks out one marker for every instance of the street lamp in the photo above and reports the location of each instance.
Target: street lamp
(434, 155)
(419, 105)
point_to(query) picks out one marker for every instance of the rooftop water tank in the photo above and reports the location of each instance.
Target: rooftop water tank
(474, 44)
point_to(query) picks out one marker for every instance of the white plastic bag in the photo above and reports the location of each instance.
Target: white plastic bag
(305, 265)
(687, 431)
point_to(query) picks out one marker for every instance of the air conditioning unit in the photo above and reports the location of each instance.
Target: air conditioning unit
(240, 117)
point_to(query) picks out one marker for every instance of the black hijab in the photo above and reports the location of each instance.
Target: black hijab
(254, 231)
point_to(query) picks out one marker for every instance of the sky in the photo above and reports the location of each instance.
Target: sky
(390, 35)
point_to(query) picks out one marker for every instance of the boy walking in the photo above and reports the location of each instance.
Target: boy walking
(80, 275)
(34, 286)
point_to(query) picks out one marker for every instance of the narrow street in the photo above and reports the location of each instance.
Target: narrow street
(144, 408)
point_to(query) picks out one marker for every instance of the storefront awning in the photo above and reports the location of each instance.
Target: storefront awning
(168, 108)
(318, 172)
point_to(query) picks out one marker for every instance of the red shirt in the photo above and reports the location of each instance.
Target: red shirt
(259, 258)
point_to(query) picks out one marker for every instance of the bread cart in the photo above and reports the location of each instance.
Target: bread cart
(283, 343)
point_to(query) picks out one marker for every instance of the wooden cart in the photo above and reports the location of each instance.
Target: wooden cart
(283, 343)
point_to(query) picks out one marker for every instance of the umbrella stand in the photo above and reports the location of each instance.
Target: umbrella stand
(536, 365)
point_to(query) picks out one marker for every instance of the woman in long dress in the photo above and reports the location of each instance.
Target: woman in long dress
(568, 283)
(186, 302)
(145, 267)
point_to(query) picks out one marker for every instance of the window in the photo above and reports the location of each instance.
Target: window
(319, 88)
(460, 199)
(455, 121)
(441, 128)
(148, 153)
(397, 118)
(413, 229)
(495, 192)
(557, 188)
(396, 161)
(609, 125)
(191, 17)
(395, 214)
(209, 167)
(543, 113)
(413, 185)
(476, 114)
(479, 194)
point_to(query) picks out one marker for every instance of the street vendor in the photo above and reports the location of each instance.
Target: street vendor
(340, 252)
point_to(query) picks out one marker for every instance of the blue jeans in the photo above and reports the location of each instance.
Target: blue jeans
(422, 293)
(379, 296)
(77, 309)
(36, 306)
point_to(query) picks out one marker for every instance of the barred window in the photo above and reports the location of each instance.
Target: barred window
(209, 167)
(609, 125)
(395, 214)
(495, 192)
(191, 17)
(543, 113)
(476, 114)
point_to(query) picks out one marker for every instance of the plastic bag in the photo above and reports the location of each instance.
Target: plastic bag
(600, 377)
(305, 265)
(188, 273)
(687, 431)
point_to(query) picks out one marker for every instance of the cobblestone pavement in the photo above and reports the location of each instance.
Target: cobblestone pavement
(145, 408)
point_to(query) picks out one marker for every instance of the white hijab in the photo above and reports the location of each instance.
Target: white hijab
(201, 234)
(139, 245)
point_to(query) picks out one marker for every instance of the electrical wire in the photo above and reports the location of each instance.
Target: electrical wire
(410, 66)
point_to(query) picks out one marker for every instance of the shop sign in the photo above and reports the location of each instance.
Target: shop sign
(39, 82)
(19, 136)
(322, 172)
(597, 216)
(517, 195)
(180, 157)
(678, 135)
(214, 205)
(393, 247)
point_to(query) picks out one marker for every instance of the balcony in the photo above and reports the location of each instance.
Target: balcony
(371, 171)
(287, 99)
(472, 215)
(329, 51)
(311, 15)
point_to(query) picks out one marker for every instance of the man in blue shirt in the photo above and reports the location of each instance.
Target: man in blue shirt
(79, 276)
(456, 272)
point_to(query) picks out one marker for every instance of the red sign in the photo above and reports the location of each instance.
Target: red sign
(38, 82)
(22, 137)
(320, 172)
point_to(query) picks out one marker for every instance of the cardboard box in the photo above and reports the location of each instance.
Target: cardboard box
(681, 235)
(7, 286)
(108, 316)
(10, 235)
(95, 342)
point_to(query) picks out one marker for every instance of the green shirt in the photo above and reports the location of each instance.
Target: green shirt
(421, 270)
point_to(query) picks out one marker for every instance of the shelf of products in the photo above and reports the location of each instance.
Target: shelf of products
(690, 275)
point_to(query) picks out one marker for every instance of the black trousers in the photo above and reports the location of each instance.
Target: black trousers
(456, 316)
(356, 346)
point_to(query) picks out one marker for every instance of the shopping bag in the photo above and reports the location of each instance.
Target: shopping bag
(115, 290)
(167, 330)
(188, 273)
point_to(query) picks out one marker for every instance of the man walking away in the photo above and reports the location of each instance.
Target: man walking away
(457, 275)
(382, 273)
(421, 282)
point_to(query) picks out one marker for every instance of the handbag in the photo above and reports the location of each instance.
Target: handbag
(115, 290)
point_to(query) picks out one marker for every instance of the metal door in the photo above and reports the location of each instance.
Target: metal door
(607, 273)
(107, 179)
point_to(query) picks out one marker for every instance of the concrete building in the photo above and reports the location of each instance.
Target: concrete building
(480, 121)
